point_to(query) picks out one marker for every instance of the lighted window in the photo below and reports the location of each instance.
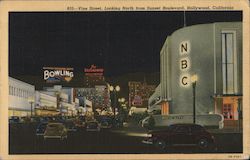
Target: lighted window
(227, 111)
(229, 63)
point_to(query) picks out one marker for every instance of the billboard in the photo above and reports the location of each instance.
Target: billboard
(57, 74)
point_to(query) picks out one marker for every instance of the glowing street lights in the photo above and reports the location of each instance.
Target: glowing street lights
(114, 90)
(121, 100)
(194, 79)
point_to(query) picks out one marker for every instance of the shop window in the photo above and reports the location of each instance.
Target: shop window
(229, 62)
(227, 111)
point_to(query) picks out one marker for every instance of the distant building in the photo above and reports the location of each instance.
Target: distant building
(46, 104)
(66, 102)
(139, 93)
(19, 95)
(98, 95)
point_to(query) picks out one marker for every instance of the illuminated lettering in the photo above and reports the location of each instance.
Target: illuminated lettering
(184, 46)
(183, 64)
(57, 73)
(46, 74)
(184, 80)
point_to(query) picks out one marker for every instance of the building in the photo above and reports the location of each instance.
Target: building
(46, 104)
(139, 93)
(67, 103)
(215, 58)
(99, 96)
(21, 98)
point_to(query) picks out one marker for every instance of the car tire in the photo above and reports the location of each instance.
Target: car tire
(203, 143)
(161, 144)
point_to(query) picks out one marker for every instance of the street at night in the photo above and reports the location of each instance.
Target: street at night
(125, 82)
(126, 140)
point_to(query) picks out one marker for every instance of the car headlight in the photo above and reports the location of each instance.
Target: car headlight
(149, 135)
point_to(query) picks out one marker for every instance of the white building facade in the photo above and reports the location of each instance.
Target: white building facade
(19, 95)
(213, 54)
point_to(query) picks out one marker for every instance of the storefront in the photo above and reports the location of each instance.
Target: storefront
(47, 112)
(46, 105)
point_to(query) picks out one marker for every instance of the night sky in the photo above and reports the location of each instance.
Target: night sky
(121, 42)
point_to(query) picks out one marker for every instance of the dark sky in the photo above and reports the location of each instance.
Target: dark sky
(121, 42)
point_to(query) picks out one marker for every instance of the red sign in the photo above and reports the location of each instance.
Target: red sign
(137, 101)
(94, 69)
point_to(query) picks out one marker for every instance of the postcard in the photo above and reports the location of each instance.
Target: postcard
(121, 79)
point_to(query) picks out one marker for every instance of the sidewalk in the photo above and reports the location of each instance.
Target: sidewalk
(225, 130)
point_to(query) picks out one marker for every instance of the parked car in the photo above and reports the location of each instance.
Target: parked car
(55, 130)
(117, 123)
(93, 126)
(41, 129)
(181, 134)
(70, 125)
(106, 124)
(14, 119)
(79, 123)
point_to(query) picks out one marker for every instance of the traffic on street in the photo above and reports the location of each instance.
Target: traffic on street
(56, 136)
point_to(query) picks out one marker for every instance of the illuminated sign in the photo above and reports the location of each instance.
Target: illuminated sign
(57, 74)
(93, 70)
(185, 63)
(137, 101)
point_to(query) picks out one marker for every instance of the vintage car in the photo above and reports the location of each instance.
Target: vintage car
(181, 134)
(41, 129)
(93, 126)
(55, 130)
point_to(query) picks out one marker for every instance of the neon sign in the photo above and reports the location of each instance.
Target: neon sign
(185, 63)
(93, 70)
(57, 74)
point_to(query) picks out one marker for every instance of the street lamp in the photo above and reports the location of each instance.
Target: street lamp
(194, 79)
(31, 101)
(115, 90)
(121, 100)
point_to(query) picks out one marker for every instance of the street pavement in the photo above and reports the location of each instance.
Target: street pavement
(126, 140)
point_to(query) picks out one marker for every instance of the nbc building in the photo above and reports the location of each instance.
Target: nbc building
(205, 59)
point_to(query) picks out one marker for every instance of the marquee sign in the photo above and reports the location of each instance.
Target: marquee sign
(57, 74)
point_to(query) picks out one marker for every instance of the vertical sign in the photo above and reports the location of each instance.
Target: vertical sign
(184, 63)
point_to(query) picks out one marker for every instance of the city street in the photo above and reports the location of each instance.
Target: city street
(119, 140)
